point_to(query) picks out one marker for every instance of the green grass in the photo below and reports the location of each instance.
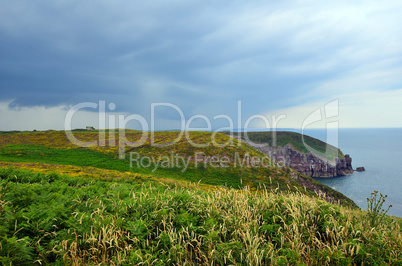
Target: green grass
(86, 157)
(282, 138)
(44, 154)
(57, 219)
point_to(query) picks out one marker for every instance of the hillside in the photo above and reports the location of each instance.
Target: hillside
(105, 219)
(282, 138)
(223, 161)
(307, 155)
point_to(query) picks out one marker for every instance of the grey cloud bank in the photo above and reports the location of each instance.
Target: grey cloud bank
(202, 56)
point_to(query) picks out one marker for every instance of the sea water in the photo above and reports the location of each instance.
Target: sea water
(380, 152)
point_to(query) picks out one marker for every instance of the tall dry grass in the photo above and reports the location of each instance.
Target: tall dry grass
(53, 219)
(183, 227)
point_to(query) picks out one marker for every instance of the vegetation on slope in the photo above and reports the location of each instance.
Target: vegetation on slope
(53, 147)
(302, 143)
(58, 219)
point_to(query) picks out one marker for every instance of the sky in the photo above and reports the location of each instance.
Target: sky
(287, 64)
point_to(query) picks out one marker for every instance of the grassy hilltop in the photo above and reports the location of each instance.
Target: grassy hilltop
(233, 167)
(60, 203)
(298, 141)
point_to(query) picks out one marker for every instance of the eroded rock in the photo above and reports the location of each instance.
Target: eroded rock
(309, 163)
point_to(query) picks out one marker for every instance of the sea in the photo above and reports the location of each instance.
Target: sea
(379, 151)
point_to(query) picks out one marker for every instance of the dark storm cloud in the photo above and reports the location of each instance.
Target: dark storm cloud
(61, 53)
(200, 55)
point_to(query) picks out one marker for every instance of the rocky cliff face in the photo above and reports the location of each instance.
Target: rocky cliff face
(308, 163)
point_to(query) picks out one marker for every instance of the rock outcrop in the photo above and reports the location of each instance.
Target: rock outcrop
(309, 163)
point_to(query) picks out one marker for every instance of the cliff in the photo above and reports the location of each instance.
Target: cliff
(309, 163)
(304, 154)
